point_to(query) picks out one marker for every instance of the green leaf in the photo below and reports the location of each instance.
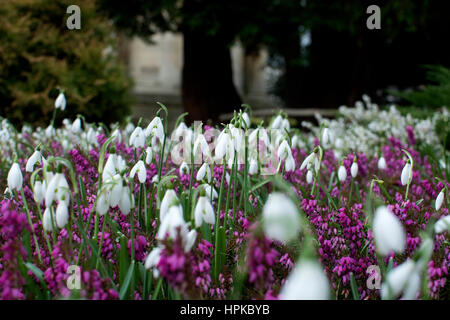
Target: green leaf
(125, 285)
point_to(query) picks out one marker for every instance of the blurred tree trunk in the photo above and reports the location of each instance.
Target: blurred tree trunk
(207, 78)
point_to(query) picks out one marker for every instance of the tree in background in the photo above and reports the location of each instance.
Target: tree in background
(38, 54)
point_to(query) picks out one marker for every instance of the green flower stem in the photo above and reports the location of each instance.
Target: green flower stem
(24, 200)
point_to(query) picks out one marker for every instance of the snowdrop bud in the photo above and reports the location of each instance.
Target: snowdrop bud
(246, 119)
(204, 212)
(354, 169)
(62, 214)
(253, 167)
(406, 174)
(388, 232)
(306, 282)
(149, 155)
(39, 191)
(281, 219)
(47, 220)
(190, 240)
(76, 125)
(442, 225)
(126, 201)
(325, 136)
(381, 163)
(60, 102)
(139, 167)
(15, 178)
(342, 173)
(439, 200)
(170, 198)
(35, 158)
(289, 164)
(102, 203)
(309, 177)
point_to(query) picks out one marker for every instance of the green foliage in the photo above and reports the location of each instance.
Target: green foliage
(39, 55)
(434, 95)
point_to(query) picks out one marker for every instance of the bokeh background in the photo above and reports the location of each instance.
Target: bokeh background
(207, 57)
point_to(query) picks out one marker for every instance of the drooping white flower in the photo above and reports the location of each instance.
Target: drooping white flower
(442, 225)
(36, 157)
(281, 220)
(309, 161)
(50, 131)
(47, 220)
(179, 131)
(404, 278)
(39, 191)
(76, 126)
(204, 212)
(170, 198)
(283, 150)
(115, 188)
(190, 240)
(246, 119)
(62, 214)
(406, 174)
(289, 165)
(201, 145)
(277, 122)
(184, 168)
(126, 201)
(306, 282)
(222, 145)
(326, 136)
(60, 102)
(109, 170)
(117, 136)
(210, 189)
(15, 178)
(139, 168)
(103, 203)
(155, 128)
(381, 163)
(137, 138)
(148, 155)
(354, 169)
(204, 170)
(342, 173)
(253, 166)
(172, 223)
(309, 177)
(152, 260)
(439, 200)
(388, 232)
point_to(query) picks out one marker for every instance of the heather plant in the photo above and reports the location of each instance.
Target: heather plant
(237, 211)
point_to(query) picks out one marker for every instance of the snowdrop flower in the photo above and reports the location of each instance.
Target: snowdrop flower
(404, 278)
(190, 240)
(91, 136)
(222, 145)
(262, 136)
(184, 168)
(60, 102)
(253, 166)
(115, 188)
(137, 138)
(76, 126)
(15, 178)
(148, 155)
(201, 144)
(39, 191)
(117, 136)
(309, 177)
(126, 201)
(281, 219)
(277, 122)
(171, 223)
(47, 220)
(246, 119)
(36, 157)
(307, 282)
(406, 173)
(388, 232)
(326, 136)
(236, 137)
(442, 225)
(342, 173)
(50, 131)
(203, 212)
(310, 160)
(109, 170)
(62, 214)
(179, 131)
(381, 163)
(210, 189)
(139, 167)
(354, 169)
(155, 128)
(284, 150)
(152, 260)
(102, 203)
(204, 170)
(289, 165)
(439, 200)
(170, 198)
